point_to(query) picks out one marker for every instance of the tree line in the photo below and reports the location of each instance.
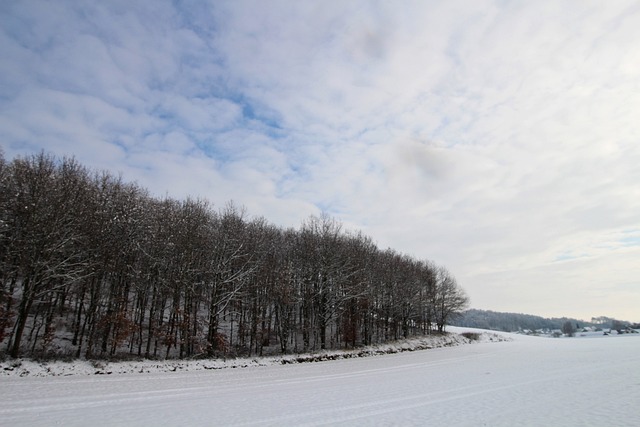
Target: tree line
(513, 322)
(93, 266)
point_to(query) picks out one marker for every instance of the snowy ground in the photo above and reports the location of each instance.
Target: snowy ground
(29, 368)
(530, 381)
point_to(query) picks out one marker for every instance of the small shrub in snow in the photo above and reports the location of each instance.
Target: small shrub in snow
(98, 364)
(473, 336)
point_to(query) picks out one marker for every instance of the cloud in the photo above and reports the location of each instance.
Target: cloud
(499, 139)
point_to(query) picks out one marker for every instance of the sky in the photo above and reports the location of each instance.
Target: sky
(497, 138)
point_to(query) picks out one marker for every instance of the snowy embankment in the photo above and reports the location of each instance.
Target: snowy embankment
(529, 381)
(25, 367)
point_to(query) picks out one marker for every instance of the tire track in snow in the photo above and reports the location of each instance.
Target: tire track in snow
(336, 415)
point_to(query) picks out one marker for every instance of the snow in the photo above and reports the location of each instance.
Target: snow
(25, 368)
(523, 382)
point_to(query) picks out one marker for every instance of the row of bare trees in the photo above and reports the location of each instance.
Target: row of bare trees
(91, 266)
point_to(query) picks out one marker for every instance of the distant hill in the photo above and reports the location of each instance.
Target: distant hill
(512, 322)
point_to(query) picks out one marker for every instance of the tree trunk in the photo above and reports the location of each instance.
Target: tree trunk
(23, 312)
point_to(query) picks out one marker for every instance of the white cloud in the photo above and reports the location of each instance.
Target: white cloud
(499, 139)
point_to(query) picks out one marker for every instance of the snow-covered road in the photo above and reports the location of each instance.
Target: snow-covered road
(527, 382)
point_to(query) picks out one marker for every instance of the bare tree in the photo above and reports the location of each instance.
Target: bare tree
(449, 300)
(230, 264)
(43, 234)
(568, 328)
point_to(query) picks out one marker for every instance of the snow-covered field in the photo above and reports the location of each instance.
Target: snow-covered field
(530, 381)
